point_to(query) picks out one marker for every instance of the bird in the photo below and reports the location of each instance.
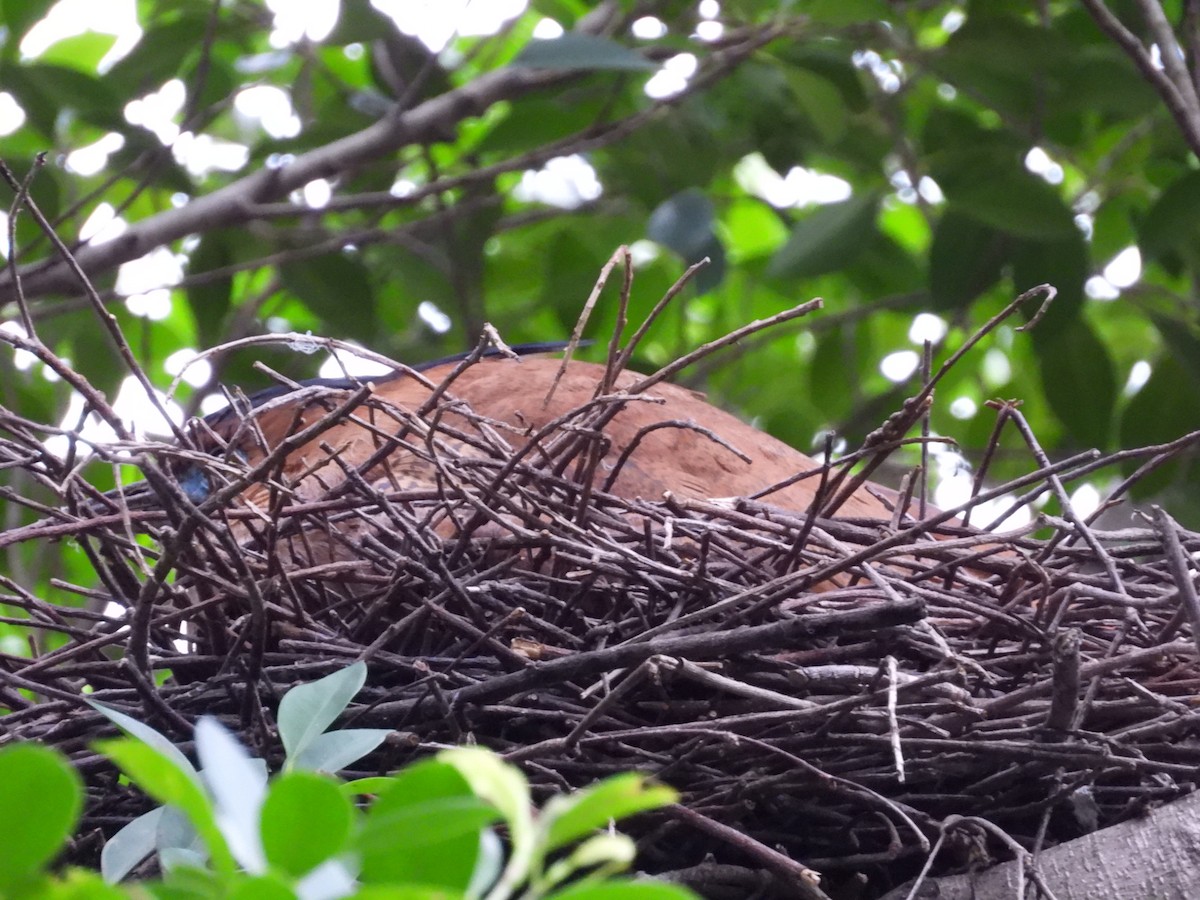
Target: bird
(667, 440)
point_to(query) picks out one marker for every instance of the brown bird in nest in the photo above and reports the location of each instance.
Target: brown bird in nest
(307, 441)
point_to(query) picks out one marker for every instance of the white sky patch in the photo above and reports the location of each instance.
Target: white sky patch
(271, 107)
(92, 159)
(708, 9)
(1139, 374)
(648, 28)
(12, 116)
(673, 77)
(898, 366)
(1038, 162)
(953, 20)
(202, 153)
(316, 194)
(996, 368)
(23, 360)
(195, 373)
(643, 252)
(888, 73)
(132, 407)
(1125, 268)
(153, 305)
(800, 187)
(927, 327)
(102, 225)
(547, 29)
(68, 18)
(963, 408)
(1085, 499)
(157, 110)
(567, 182)
(432, 316)
(146, 283)
(3, 234)
(312, 19)
(1100, 288)
(930, 190)
(954, 483)
(709, 30)
(341, 362)
(436, 22)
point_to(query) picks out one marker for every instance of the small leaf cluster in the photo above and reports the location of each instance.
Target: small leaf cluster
(227, 829)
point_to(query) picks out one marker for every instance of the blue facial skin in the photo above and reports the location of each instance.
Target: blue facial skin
(195, 483)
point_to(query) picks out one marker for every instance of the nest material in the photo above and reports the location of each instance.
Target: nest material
(823, 692)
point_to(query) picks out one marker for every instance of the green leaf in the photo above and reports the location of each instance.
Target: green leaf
(616, 889)
(260, 887)
(159, 776)
(503, 786)
(1171, 223)
(75, 884)
(45, 90)
(308, 709)
(362, 786)
(990, 186)
(822, 102)
(425, 830)
(42, 796)
(335, 287)
(684, 223)
(1155, 415)
(1079, 381)
(827, 239)
(17, 16)
(211, 300)
(574, 50)
(80, 51)
(568, 817)
(1062, 263)
(305, 821)
(146, 735)
(966, 259)
(335, 750)
(129, 846)
(157, 56)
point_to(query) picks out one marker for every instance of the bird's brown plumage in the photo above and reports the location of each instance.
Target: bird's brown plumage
(669, 455)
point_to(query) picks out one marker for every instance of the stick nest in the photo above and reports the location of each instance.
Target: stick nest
(1042, 680)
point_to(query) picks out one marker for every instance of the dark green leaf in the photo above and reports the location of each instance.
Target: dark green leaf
(1064, 264)
(822, 102)
(966, 258)
(42, 797)
(827, 239)
(1079, 381)
(211, 298)
(575, 50)
(1172, 222)
(684, 223)
(991, 187)
(305, 821)
(17, 16)
(335, 287)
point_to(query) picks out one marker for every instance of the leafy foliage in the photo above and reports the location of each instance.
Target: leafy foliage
(227, 830)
